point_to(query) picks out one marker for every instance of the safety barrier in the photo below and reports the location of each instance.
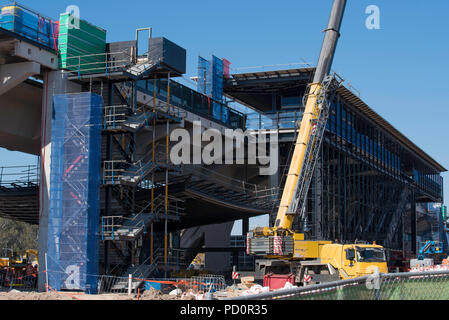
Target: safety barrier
(432, 285)
(108, 284)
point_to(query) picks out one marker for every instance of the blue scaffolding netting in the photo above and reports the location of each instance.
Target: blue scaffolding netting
(30, 24)
(204, 79)
(210, 83)
(73, 226)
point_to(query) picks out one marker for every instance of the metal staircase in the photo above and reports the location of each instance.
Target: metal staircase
(120, 118)
(130, 228)
(122, 172)
(143, 68)
(211, 184)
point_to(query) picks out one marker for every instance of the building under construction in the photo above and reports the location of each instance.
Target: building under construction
(105, 194)
(369, 176)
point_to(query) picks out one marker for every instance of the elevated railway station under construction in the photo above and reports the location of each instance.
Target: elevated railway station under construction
(105, 194)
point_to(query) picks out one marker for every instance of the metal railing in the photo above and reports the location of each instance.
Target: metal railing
(240, 185)
(207, 283)
(107, 284)
(19, 176)
(254, 191)
(161, 105)
(99, 63)
(115, 116)
(193, 101)
(111, 225)
(285, 119)
(115, 171)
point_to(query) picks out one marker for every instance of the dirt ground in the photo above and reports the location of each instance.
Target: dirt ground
(147, 295)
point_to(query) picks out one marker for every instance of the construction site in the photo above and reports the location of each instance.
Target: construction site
(350, 197)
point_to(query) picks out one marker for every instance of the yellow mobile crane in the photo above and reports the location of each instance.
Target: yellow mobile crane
(287, 252)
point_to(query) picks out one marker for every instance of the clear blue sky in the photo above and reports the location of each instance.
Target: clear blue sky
(401, 70)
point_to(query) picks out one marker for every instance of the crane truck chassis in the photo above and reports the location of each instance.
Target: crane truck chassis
(316, 262)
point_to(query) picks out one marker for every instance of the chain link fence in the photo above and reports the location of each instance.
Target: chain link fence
(433, 285)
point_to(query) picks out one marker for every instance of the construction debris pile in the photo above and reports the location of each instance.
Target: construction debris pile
(210, 288)
(198, 288)
(440, 267)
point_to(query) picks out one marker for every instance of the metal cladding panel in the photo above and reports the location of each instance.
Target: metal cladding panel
(121, 46)
(121, 51)
(168, 53)
(73, 227)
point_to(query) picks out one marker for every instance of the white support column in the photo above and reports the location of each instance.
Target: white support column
(130, 283)
(54, 83)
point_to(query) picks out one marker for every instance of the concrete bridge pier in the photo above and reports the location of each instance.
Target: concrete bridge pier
(54, 82)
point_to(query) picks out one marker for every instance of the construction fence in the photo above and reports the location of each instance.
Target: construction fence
(117, 285)
(430, 285)
(196, 285)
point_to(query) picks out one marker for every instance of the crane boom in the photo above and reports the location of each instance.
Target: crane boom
(312, 125)
(311, 131)
(286, 252)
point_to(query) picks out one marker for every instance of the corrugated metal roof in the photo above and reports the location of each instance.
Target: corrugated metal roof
(272, 74)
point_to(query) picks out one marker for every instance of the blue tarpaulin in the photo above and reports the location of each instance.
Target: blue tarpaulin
(73, 226)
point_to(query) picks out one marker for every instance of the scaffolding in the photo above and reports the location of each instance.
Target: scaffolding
(74, 193)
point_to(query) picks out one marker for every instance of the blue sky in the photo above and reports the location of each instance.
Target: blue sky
(400, 70)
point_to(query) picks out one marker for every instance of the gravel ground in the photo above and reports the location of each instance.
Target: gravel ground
(147, 295)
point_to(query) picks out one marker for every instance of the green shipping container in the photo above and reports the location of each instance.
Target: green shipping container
(81, 49)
